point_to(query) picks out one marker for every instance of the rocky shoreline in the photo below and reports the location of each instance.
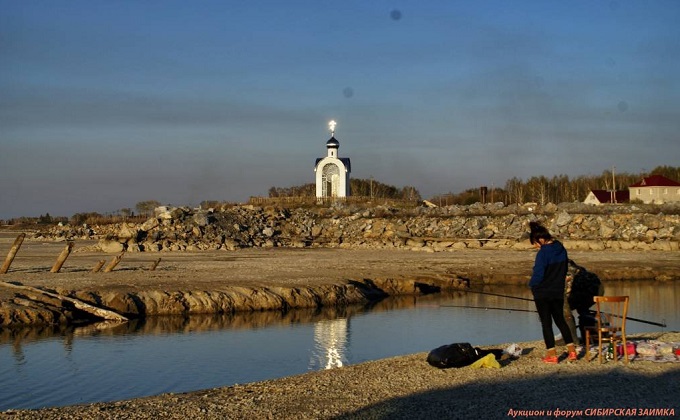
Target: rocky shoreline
(489, 226)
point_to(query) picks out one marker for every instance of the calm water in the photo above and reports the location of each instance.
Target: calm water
(44, 367)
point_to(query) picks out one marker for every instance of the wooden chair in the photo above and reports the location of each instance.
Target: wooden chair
(611, 324)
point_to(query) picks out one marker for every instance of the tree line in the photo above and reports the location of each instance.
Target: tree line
(537, 189)
(556, 189)
(358, 187)
(144, 210)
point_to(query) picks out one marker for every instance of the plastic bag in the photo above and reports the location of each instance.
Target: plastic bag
(488, 361)
(513, 350)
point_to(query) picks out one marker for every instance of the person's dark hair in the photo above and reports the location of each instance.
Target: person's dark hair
(538, 231)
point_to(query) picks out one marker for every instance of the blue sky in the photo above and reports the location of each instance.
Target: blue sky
(104, 104)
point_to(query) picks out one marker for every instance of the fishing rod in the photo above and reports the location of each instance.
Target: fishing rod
(630, 318)
(486, 307)
(643, 321)
(659, 324)
(495, 294)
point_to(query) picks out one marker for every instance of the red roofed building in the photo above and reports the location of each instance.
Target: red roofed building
(598, 197)
(655, 189)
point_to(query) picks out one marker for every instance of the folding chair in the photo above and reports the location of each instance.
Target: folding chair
(611, 325)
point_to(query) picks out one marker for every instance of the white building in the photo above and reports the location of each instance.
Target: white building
(598, 197)
(332, 172)
(655, 189)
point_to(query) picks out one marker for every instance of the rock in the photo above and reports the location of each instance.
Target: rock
(442, 245)
(149, 224)
(606, 232)
(134, 247)
(162, 212)
(200, 218)
(415, 243)
(111, 246)
(563, 219)
(596, 245)
(650, 236)
(231, 245)
(127, 232)
(664, 246)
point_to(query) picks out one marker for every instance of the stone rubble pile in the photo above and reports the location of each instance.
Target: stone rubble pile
(490, 226)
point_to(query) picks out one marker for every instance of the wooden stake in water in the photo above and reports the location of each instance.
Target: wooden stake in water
(12, 253)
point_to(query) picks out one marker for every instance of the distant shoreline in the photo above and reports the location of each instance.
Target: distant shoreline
(204, 282)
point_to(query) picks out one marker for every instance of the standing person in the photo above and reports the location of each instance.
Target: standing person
(568, 314)
(547, 285)
(585, 286)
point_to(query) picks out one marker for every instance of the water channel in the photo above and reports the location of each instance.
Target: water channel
(55, 367)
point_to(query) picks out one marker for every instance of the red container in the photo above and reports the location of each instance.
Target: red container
(630, 347)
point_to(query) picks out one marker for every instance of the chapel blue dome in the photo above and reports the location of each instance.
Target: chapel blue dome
(333, 142)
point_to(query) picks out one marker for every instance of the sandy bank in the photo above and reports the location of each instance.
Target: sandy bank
(277, 278)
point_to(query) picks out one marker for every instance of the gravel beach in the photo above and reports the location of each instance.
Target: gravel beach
(407, 387)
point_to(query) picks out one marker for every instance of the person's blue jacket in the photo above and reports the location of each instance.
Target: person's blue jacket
(550, 271)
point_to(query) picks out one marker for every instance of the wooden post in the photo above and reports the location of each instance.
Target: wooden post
(99, 266)
(12, 253)
(62, 258)
(155, 264)
(114, 262)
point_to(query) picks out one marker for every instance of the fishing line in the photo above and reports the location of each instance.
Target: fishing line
(593, 313)
(496, 294)
(658, 324)
(487, 307)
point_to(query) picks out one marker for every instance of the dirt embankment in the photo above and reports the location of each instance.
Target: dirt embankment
(268, 279)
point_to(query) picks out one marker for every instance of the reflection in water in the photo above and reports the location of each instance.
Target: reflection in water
(57, 365)
(164, 325)
(330, 344)
(649, 300)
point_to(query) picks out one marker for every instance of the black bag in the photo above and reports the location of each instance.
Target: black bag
(453, 355)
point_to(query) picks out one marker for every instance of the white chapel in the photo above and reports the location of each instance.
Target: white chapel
(332, 172)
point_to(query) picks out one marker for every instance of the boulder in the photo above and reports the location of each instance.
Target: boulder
(111, 246)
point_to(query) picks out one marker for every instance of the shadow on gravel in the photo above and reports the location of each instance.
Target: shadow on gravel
(622, 389)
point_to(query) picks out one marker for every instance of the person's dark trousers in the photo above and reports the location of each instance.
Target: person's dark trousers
(549, 310)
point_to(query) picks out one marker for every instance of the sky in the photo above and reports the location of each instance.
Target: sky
(104, 104)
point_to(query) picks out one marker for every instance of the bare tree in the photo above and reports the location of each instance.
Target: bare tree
(126, 212)
(146, 207)
(538, 189)
(516, 190)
